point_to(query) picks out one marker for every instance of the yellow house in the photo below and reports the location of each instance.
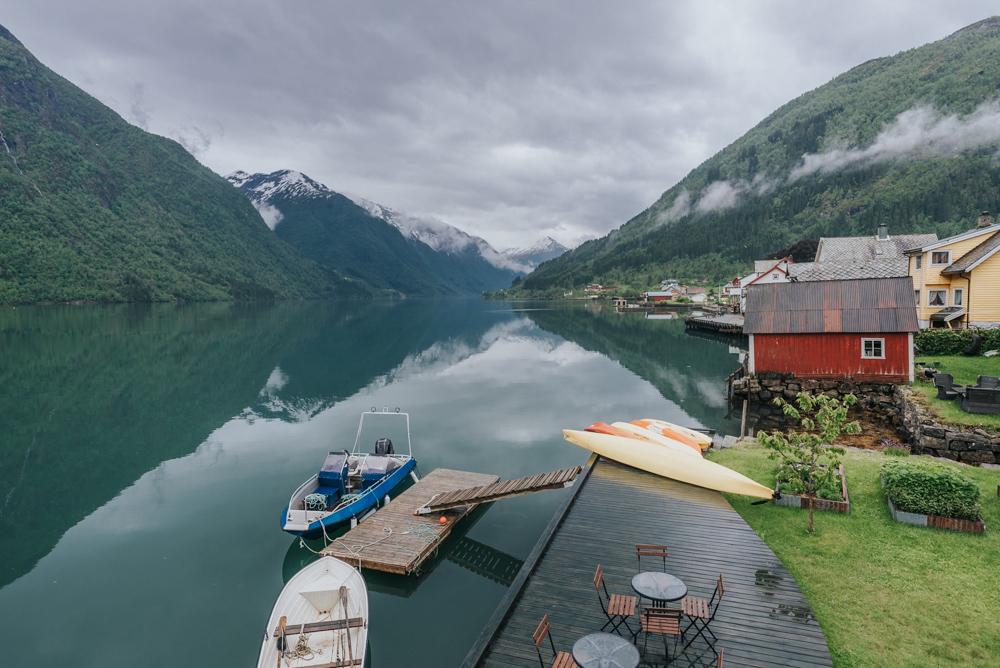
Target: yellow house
(956, 281)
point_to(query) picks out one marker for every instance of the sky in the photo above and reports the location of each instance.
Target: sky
(511, 120)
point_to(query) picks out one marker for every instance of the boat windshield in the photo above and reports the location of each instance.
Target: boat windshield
(384, 432)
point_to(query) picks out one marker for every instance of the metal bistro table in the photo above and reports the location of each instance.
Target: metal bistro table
(660, 588)
(605, 650)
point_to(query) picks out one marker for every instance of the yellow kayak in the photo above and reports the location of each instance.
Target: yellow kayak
(668, 463)
(675, 431)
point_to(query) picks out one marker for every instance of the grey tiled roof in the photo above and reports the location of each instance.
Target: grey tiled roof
(857, 249)
(845, 270)
(984, 249)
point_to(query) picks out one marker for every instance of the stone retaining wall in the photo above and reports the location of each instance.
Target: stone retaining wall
(894, 404)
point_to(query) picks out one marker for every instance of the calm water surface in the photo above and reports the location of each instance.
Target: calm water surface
(146, 453)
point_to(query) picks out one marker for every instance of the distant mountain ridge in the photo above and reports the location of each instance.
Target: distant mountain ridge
(95, 209)
(371, 242)
(909, 140)
(543, 250)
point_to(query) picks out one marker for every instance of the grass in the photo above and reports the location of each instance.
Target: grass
(964, 370)
(886, 594)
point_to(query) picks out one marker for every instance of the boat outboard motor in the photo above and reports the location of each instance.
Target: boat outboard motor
(383, 446)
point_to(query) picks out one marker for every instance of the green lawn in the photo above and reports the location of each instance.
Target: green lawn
(886, 594)
(964, 369)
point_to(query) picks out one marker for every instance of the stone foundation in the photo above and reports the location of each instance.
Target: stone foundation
(894, 404)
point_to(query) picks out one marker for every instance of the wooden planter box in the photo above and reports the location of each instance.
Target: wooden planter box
(935, 521)
(799, 501)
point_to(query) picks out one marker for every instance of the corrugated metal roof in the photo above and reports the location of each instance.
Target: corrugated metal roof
(816, 307)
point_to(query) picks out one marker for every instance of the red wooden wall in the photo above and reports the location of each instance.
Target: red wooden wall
(831, 356)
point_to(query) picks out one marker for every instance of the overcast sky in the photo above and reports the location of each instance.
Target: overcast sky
(511, 120)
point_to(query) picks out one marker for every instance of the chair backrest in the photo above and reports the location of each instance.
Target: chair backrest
(720, 591)
(943, 380)
(660, 613)
(656, 551)
(542, 631)
(720, 660)
(988, 382)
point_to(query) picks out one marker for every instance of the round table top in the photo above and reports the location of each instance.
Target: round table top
(605, 650)
(658, 586)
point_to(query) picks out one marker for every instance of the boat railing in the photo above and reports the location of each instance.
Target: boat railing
(385, 411)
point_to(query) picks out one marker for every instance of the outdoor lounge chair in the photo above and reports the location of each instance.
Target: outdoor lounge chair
(656, 551)
(981, 400)
(701, 612)
(946, 388)
(661, 621)
(618, 608)
(988, 382)
(559, 659)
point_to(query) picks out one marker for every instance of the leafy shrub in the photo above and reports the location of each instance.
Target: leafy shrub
(931, 489)
(827, 488)
(954, 341)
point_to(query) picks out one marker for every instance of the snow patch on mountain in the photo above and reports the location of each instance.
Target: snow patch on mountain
(286, 182)
(541, 251)
(439, 235)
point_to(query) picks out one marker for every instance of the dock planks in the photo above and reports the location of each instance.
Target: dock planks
(394, 539)
(501, 490)
(764, 619)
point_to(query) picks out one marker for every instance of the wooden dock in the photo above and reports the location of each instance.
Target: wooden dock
(724, 323)
(764, 620)
(394, 539)
(501, 490)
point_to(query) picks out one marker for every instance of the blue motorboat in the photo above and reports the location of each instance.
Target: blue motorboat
(351, 485)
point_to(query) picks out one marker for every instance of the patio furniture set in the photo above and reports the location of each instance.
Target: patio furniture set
(983, 397)
(671, 614)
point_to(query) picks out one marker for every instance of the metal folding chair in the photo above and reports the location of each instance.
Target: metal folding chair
(559, 659)
(618, 608)
(661, 621)
(700, 613)
(656, 551)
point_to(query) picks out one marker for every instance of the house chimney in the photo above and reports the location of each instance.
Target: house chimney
(883, 233)
(985, 220)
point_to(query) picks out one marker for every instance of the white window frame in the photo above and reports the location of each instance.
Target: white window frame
(916, 295)
(947, 253)
(930, 300)
(881, 343)
(958, 296)
(920, 261)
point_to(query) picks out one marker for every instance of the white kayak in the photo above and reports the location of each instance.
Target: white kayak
(668, 463)
(319, 619)
(658, 438)
(669, 428)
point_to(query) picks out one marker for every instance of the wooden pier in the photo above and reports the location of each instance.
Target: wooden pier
(501, 490)
(724, 323)
(764, 620)
(395, 539)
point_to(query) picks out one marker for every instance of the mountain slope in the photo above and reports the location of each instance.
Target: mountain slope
(908, 140)
(333, 230)
(92, 208)
(488, 268)
(542, 251)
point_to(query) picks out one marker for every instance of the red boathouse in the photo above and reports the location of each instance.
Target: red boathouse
(854, 329)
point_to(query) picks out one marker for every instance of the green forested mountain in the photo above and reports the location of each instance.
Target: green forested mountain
(363, 241)
(92, 208)
(909, 140)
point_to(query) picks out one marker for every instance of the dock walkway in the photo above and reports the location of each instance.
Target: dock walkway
(764, 619)
(725, 323)
(394, 539)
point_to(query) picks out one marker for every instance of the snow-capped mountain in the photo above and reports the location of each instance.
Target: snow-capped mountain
(543, 250)
(371, 242)
(441, 236)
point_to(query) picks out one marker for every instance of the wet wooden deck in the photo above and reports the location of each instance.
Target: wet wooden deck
(394, 539)
(764, 619)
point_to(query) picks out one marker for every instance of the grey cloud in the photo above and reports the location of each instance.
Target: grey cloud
(511, 120)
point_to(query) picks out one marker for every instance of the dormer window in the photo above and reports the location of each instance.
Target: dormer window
(941, 257)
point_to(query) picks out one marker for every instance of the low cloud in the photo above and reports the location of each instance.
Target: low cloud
(269, 213)
(921, 132)
(680, 207)
(719, 195)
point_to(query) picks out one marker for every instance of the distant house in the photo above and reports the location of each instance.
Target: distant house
(594, 288)
(843, 258)
(956, 281)
(697, 295)
(764, 271)
(851, 329)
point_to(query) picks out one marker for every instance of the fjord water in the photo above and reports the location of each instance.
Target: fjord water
(146, 453)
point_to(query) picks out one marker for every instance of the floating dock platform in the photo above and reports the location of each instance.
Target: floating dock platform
(724, 323)
(395, 539)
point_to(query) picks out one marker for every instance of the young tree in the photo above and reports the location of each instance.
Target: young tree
(809, 456)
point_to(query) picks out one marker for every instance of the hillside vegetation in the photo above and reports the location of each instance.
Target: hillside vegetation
(95, 209)
(908, 140)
